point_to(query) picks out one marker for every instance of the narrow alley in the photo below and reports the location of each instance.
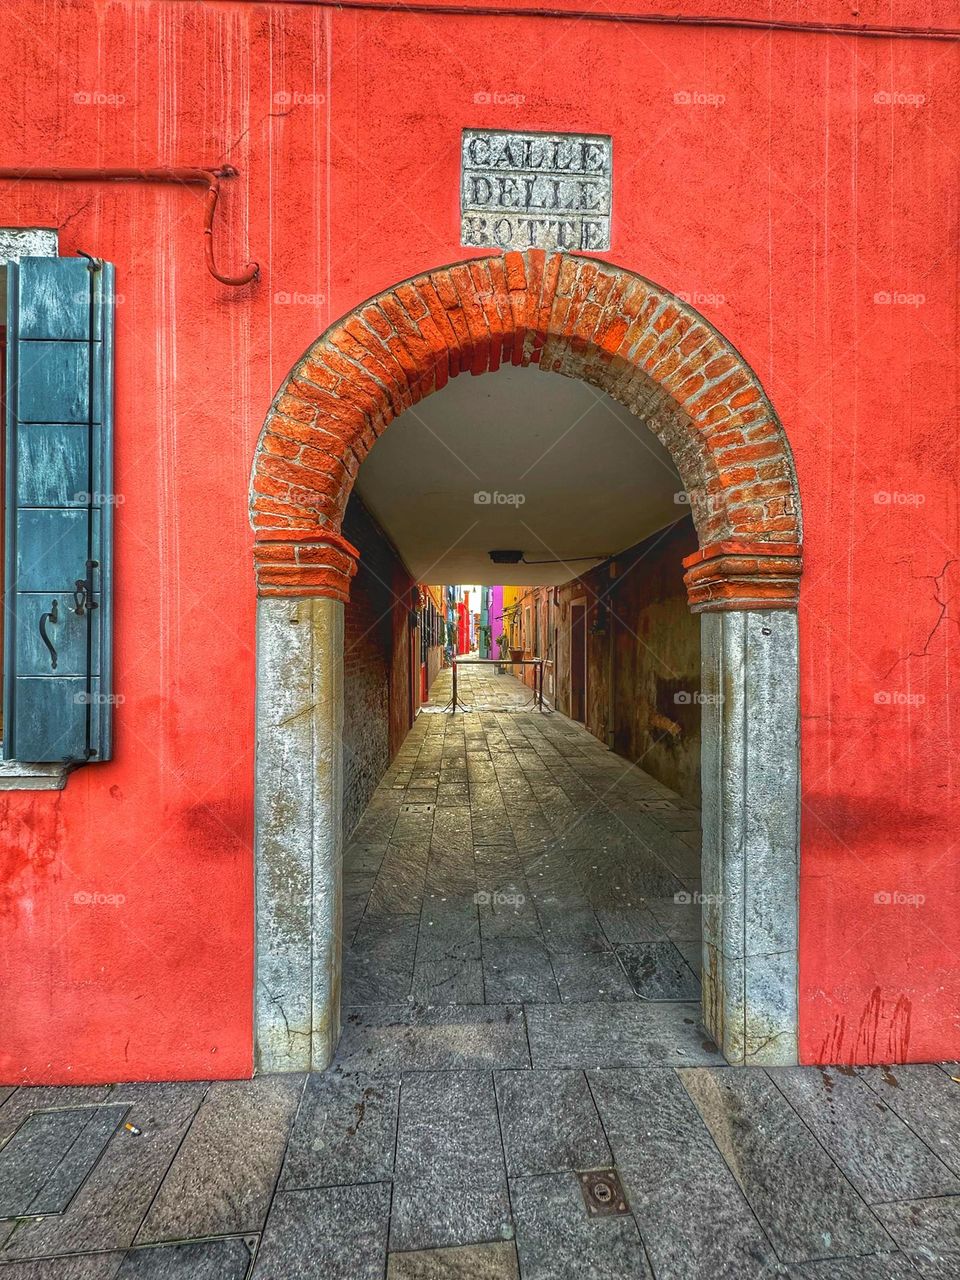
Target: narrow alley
(508, 857)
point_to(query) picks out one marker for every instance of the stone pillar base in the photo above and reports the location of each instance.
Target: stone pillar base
(750, 861)
(298, 842)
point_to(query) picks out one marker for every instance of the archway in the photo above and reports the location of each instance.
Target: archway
(647, 349)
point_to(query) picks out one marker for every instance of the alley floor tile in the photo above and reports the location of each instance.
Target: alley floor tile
(549, 1122)
(345, 1131)
(557, 1241)
(742, 1109)
(219, 1182)
(618, 1034)
(407, 1037)
(329, 1231)
(496, 1261)
(691, 1212)
(878, 1152)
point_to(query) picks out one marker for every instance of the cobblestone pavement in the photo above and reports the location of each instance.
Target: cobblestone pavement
(520, 1006)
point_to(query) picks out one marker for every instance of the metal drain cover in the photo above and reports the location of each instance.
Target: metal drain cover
(417, 808)
(602, 1193)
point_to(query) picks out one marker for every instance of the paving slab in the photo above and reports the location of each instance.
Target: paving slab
(21, 1103)
(366, 981)
(549, 1122)
(325, 1234)
(378, 966)
(496, 1261)
(345, 1131)
(447, 981)
(89, 1266)
(193, 1260)
(657, 971)
(692, 1214)
(450, 1184)
(876, 1266)
(927, 1099)
(556, 1240)
(354, 906)
(512, 916)
(48, 1157)
(449, 928)
(627, 923)
(618, 1034)
(109, 1207)
(807, 1207)
(450, 874)
(692, 951)
(569, 929)
(226, 1169)
(931, 1225)
(517, 970)
(681, 920)
(879, 1153)
(363, 858)
(591, 976)
(398, 888)
(429, 1038)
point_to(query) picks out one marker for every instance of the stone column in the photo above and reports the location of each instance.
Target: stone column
(750, 860)
(298, 800)
(750, 796)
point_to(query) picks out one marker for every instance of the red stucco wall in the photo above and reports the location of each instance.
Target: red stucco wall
(781, 212)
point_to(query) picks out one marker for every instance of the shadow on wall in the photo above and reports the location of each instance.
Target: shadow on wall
(377, 711)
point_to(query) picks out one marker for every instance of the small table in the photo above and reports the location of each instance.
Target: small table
(536, 701)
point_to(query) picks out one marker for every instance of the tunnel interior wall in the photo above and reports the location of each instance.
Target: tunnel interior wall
(652, 694)
(377, 654)
(643, 693)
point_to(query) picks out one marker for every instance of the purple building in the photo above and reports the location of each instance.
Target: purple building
(496, 619)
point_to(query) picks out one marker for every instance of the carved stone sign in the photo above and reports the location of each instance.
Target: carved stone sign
(535, 190)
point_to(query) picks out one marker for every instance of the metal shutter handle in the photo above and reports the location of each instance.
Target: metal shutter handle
(52, 615)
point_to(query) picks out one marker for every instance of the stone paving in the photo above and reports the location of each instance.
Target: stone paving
(520, 1000)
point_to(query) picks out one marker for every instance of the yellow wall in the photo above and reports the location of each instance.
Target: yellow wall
(510, 597)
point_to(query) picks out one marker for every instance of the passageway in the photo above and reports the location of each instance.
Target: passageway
(509, 858)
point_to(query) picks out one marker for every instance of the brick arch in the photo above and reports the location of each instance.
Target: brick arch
(585, 319)
(570, 315)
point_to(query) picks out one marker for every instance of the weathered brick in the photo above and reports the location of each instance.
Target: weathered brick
(291, 406)
(749, 453)
(277, 444)
(718, 392)
(516, 271)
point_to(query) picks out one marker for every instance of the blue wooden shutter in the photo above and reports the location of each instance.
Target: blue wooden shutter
(57, 694)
